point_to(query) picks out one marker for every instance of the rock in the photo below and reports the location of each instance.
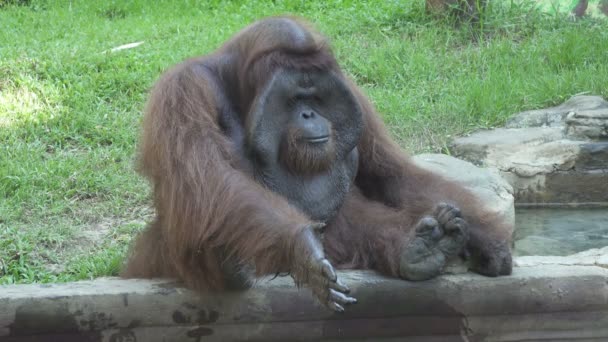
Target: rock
(550, 155)
(584, 117)
(591, 124)
(579, 106)
(481, 147)
(592, 257)
(485, 183)
(546, 302)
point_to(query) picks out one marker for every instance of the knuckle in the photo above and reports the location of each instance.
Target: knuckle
(429, 221)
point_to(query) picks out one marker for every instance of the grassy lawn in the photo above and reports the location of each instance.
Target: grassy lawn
(70, 201)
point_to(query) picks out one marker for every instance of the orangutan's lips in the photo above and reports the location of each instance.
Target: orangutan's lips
(318, 140)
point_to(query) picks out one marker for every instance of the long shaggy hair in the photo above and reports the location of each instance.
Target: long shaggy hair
(304, 158)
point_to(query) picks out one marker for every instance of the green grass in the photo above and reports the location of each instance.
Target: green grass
(70, 201)
(566, 6)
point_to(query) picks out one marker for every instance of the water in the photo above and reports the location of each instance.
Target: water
(559, 231)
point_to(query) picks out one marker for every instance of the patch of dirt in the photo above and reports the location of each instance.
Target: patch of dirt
(90, 237)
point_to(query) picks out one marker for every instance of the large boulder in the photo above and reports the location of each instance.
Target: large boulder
(583, 117)
(553, 155)
(592, 257)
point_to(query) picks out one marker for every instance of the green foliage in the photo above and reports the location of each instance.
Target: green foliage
(70, 108)
(5, 3)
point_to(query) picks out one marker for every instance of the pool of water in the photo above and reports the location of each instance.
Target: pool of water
(559, 231)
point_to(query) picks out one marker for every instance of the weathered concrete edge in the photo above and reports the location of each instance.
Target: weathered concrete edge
(536, 300)
(556, 205)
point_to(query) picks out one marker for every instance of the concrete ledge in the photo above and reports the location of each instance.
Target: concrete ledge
(536, 303)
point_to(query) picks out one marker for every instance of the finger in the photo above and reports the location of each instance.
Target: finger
(456, 211)
(324, 296)
(444, 216)
(328, 270)
(341, 298)
(456, 226)
(429, 227)
(426, 225)
(437, 233)
(339, 286)
(318, 227)
(448, 213)
(440, 208)
(335, 306)
(319, 281)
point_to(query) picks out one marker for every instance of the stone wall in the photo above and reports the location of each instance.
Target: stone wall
(553, 156)
(542, 301)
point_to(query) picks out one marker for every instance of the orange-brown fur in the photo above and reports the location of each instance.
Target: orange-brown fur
(211, 211)
(302, 159)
